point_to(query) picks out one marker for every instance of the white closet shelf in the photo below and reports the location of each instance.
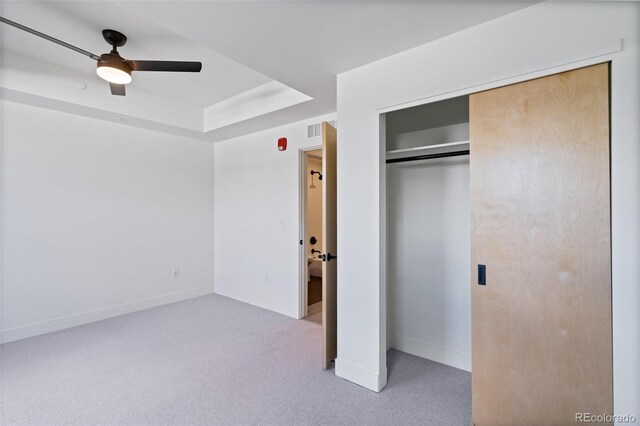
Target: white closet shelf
(426, 147)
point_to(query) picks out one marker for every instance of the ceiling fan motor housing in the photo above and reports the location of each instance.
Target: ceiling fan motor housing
(113, 68)
(114, 60)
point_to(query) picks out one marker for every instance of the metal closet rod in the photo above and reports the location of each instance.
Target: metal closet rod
(428, 156)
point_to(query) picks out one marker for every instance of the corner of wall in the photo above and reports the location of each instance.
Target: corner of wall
(261, 302)
(359, 375)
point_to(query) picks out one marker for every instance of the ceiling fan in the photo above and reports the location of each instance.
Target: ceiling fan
(111, 66)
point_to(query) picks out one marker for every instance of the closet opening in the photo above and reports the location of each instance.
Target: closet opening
(428, 293)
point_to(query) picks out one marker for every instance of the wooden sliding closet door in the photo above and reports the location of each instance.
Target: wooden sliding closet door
(540, 219)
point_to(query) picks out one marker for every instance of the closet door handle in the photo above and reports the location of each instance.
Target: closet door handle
(482, 275)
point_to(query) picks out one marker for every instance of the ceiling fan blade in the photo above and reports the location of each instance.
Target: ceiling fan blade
(49, 38)
(117, 89)
(168, 66)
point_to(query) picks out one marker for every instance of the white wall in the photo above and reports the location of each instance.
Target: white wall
(257, 217)
(95, 216)
(428, 252)
(542, 39)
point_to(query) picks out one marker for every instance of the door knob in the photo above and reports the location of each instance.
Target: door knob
(328, 257)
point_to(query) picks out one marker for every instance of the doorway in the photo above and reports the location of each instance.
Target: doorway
(318, 239)
(312, 242)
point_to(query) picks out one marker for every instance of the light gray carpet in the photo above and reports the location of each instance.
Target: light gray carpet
(212, 360)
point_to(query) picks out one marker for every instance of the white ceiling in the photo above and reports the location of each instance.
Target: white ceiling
(243, 46)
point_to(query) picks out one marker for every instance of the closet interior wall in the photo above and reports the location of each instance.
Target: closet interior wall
(428, 233)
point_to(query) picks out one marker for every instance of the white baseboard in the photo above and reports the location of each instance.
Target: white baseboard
(435, 353)
(290, 311)
(55, 324)
(316, 307)
(361, 376)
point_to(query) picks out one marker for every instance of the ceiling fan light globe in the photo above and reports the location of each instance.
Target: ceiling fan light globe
(113, 75)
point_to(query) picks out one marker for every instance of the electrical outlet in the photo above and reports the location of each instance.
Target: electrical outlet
(175, 272)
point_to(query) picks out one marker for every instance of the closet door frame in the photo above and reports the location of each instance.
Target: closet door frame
(610, 55)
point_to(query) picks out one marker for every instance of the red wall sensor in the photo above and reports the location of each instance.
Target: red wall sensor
(282, 144)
